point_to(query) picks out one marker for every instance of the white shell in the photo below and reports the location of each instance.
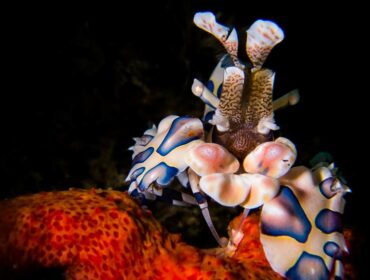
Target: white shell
(263, 189)
(226, 189)
(300, 222)
(208, 158)
(273, 159)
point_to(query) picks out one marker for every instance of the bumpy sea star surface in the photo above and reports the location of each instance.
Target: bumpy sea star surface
(98, 234)
(106, 235)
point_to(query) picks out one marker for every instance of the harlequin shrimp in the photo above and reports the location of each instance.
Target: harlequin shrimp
(178, 144)
(249, 126)
(237, 162)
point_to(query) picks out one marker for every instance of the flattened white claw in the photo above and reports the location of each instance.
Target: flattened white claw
(288, 143)
(227, 189)
(208, 158)
(263, 189)
(272, 159)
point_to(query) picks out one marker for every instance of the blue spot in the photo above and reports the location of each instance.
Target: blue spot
(143, 156)
(227, 61)
(207, 126)
(333, 250)
(329, 221)
(210, 85)
(219, 91)
(209, 116)
(293, 222)
(178, 135)
(162, 174)
(308, 267)
(325, 187)
(199, 197)
(137, 173)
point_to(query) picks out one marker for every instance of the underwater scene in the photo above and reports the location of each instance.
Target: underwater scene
(183, 140)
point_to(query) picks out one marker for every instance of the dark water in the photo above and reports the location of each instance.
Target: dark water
(83, 82)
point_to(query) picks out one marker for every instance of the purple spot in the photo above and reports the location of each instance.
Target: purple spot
(199, 198)
(137, 173)
(210, 85)
(308, 267)
(284, 216)
(180, 133)
(219, 91)
(162, 174)
(329, 221)
(333, 250)
(209, 116)
(206, 119)
(326, 187)
(143, 156)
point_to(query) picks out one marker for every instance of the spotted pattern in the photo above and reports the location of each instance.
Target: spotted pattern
(143, 156)
(260, 97)
(326, 187)
(210, 85)
(231, 98)
(219, 91)
(308, 267)
(322, 250)
(215, 83)
(162, 174)
(136, 173)
(162, 158)
(291, 221)
(333, 250)
(179, 134)
(329, 221)
(209, 116)
(106, 235)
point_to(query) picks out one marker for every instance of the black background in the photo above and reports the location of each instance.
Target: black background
(80, 83)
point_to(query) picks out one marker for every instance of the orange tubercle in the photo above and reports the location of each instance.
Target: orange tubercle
(99, 234)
